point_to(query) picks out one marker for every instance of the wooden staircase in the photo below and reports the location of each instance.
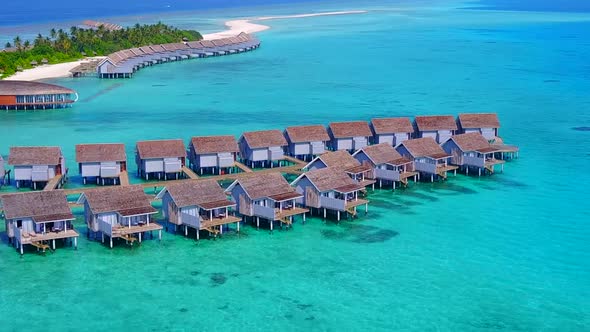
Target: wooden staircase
(287, 221)
(352, 211)
(40, 246)
(129, 238)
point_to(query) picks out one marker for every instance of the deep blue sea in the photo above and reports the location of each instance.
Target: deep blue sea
(505, 252)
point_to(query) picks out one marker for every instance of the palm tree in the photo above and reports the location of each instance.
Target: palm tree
(27, 44)
(8, 45)
(52, 33)
(17, 43)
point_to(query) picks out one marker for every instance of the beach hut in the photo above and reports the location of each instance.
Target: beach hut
(213, 153)
(329, 189)
(391, 130)
(428, 157)
(472, 150)
(119, 212)
(306, 141)
(363, 174)
(38, 219)
(349, 136)
(36, 165)
(262, 148)
(388, 165)
(439, 127)
(266, 196)
(160, 158)
(101, 161)
(486, 124)
(44, 61)
(34, 63)
(201, 205)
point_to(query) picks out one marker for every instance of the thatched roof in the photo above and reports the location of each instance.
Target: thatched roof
(392, 125)
(207, 194)
(265, 185)
(264, 138)
(25, 88)
(338, 158)
(350, 129)
(472, 142)
(125, 200)
(313, 133)
(436, 122)
(94, 153)
(161, 149)
(479, 120)
(41, 206)
(34, 155)
(327, 179)
(214, 144)
(424, 147)
(381, 153)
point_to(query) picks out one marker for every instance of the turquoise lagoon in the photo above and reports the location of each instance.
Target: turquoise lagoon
(506, 252)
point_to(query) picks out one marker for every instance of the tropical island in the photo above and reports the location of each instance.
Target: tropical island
(61, 46)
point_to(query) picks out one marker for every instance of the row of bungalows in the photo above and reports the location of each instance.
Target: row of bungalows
(124, 63)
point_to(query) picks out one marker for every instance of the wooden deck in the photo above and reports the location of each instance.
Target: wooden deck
(243, 167)
(406, 175)
(121, 232)
(53, 183)
(124, 178)
(355, 203)
(290, 212)
(189, 173)
(49, 236)
(209, 223)
(444, 169)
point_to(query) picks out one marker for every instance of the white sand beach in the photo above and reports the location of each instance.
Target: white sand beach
(235, 27)
(49, 71)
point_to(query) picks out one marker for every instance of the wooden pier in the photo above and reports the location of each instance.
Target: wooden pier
(189, 173)
(124, 178)
(243, 167)
(55, 183)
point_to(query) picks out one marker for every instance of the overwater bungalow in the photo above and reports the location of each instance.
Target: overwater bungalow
(35, 165)
(472, 150)
(161, 158)
(388, 165)
(262, 148)
(391, 130)
(24, 95)
(428, 157)
(306, 142)
(103, 162)
(119, 212)
(38, 219)
(266, 196)
(341, 159)
(349, 136)
(329, 189)
(486, 124)
(214, 153)
(201, 205)
(439, 127)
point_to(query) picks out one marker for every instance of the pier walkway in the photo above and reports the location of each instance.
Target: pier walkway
(243, 167)
(124, 178)
(189, 173)
(54, 183)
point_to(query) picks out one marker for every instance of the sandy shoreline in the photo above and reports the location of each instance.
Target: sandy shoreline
(235, 27)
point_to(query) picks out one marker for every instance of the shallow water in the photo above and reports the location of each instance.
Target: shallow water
(502, 252)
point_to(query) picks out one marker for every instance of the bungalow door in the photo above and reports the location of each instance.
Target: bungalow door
(311, 197)
(172, 213)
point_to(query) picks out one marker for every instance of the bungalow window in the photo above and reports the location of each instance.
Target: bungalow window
(20, 99)
(19, 223)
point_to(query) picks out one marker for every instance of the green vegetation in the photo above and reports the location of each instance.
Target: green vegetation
(61, 46)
